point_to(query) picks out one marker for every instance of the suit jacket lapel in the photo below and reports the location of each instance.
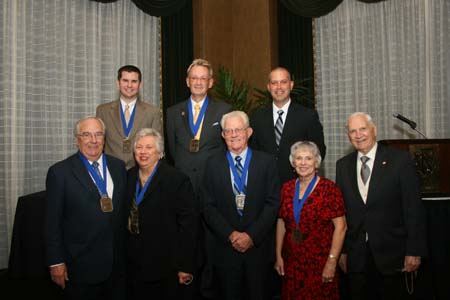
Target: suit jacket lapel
(224, 169)
(154, 183)
(184, 112)
(377, 172)
(353, 176)
(268, 120)
(138, 117)
(114, 176)
(80, 172)
(207, 122)
(114, 113)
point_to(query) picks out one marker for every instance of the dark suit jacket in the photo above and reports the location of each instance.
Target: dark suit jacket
(146, 116)
(89, 241)
(260, 210)
(179, 136)
(167, 225)
(393, 215)
(301, 124)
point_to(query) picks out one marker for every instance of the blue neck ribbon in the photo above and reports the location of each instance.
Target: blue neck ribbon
(127, 129)
(140, 194)
(99, 182)
(240, 181)
(196, 126)
(298, 202)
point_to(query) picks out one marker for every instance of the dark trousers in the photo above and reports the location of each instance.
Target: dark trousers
(373, 285)
(163, 289)
(245, 282)
(111, 289)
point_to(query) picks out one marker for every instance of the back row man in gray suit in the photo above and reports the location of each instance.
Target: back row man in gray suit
(127, 115)
(193, 135)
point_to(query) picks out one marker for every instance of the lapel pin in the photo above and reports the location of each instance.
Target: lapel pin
(182, 113)
(384, 162)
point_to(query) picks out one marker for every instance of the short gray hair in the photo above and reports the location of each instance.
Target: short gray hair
(76, 130)
(363, 114)
(308, 145)
(233, 114)
(159, 141)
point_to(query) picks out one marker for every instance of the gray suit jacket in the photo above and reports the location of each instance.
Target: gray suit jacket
(179, 136)
(146, 116)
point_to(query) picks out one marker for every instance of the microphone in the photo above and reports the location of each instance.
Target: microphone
(411, 124)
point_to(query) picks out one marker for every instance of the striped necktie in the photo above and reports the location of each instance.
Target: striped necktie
(279, 127)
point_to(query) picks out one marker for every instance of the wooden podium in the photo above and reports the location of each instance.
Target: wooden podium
(432, 158)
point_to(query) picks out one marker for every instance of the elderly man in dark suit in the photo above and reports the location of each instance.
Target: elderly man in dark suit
(280, 124)
(85, 218)
(385, 239)
(126, 115)
(241, 199)
(193, 134)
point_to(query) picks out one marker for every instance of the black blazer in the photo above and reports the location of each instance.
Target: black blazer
(179, 136)
(89, 241)
(393, 215)
(301, 124)
(260, 210)
(167, 224)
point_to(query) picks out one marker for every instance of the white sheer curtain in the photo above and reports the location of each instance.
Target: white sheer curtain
(383, 58)
(58, 61)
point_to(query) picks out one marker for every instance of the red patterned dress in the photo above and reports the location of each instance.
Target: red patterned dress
(304, 261)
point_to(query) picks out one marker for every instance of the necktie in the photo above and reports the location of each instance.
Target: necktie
(239, 167)
(96, 169)
(279, 127)
(126, 113)
(239, 170)
(196, 113)
(365, 170)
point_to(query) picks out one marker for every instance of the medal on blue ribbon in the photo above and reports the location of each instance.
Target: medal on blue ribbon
(239, 182)
(106, 203)
(297, 235)
(126, 147)
(194, 145)
(133, 218)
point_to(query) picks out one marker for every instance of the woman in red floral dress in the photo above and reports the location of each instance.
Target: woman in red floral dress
(310, 230)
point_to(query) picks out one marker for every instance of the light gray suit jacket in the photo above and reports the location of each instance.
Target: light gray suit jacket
(146, 116)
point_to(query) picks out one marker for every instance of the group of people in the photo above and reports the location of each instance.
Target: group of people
(242, 203)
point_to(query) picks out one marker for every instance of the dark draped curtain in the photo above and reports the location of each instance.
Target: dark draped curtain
(177, 53)
(295, 46)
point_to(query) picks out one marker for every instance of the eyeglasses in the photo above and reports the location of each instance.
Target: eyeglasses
(201, 79)
(90, 135)
(228, 131)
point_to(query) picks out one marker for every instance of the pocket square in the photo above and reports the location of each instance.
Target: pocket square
(215, 124)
